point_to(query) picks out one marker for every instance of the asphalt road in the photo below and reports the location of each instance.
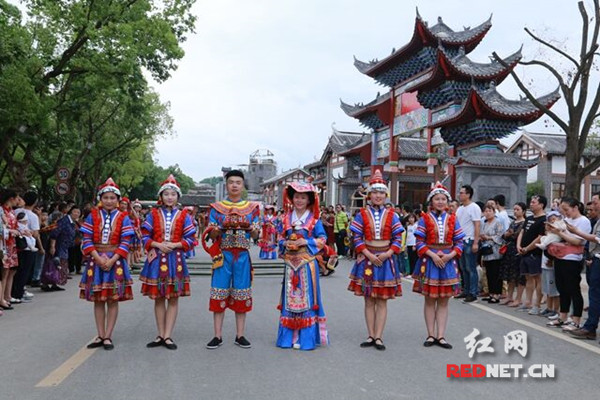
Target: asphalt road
(42, 355)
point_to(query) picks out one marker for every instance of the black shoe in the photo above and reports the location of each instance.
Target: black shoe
(380, 345)
(109, 345)
(470, 299)
(369, 343)
(57, 288)
(170, 346)
(242, 342)
(96, 343)
(35, 284)
(46, 288)
(493, 300)
(460, 296)
(159, 341)
(214, 343)
(430, 341)
(443, 343)
(486, 298)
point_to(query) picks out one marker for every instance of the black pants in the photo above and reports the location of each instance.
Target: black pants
(339, 243)
(568, 279)
(75, 259)
(412, 257)
(26, 261)
(492, 269)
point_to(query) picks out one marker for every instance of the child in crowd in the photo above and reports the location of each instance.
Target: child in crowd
(25, 232)
(555, 220)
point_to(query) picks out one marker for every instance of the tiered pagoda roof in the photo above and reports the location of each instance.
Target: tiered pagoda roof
(453, 75)
(374, 115)
(420, 53)
(486, 114)
(497, 159)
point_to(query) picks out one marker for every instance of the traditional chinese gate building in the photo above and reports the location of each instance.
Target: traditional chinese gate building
(435, 91)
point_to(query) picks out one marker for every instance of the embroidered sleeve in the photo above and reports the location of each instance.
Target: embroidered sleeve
(397, 231)
(318, 239)
(358, 236)
(421, 237)
(126, 236)
(188, 240)
(147, 232)
(457, 239)
(87, 232)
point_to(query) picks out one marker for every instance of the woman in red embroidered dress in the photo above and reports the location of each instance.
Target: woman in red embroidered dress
(106, 279)
(377, 235)
(167, 234)
(439, 246)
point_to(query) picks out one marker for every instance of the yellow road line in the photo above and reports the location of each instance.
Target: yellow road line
(555, 332)
(56, 377)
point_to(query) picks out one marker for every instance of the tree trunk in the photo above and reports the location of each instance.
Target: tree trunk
(574, 176)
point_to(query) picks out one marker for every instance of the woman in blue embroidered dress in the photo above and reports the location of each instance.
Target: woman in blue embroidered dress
(377, 235)
(268, 240)
(302, 324)
(106, 280)
(167, 234)
(439, 246)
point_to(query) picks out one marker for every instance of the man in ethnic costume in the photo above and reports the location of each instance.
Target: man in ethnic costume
(233, 223)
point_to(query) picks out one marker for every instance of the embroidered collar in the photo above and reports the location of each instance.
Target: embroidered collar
(299, 221)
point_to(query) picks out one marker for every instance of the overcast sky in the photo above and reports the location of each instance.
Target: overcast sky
(268, 74)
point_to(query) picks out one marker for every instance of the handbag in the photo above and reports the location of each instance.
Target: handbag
(21, 243)
(503, 249)
(486, 250)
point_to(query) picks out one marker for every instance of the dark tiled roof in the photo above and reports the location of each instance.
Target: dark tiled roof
(413, 148)
(339, 141)
(497, 107)
(438, 33)
(448, 36)
(358, 108)
(552, 144)
(492, 160)
(283, 175)
(404, 178)
(516, 108)
(464, 65)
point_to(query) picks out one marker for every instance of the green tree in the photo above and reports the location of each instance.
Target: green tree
(67, 51)
(580, 88)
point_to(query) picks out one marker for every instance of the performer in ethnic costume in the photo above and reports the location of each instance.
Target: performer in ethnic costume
(439, 246)
(377, 235)
(268, 241)
(302, 324)
(106, 279)
(136, 222)
(167, 234)
(232, 224)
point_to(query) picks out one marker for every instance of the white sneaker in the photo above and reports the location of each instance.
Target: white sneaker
(553, 316)
(28, 295)
(534, 311)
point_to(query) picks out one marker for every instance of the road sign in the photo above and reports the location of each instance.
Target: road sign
(63, 174)
(62, 188)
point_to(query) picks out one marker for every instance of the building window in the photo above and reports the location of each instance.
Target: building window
(595, 188)
(558, 190)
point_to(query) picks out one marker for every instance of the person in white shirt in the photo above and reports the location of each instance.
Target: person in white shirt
(501, 213)
(469, 218)
(568, 267)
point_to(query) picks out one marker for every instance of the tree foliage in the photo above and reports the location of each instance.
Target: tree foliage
(73, 90)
